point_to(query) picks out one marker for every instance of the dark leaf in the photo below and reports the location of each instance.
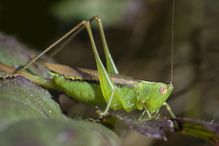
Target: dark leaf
(158, 128)
(154, 128)
(197, 128)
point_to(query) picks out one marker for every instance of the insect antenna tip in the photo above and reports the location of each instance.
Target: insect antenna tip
(172, 40)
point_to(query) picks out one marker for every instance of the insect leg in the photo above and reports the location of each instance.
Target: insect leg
(108, 105)
(76, 32)
(142, 116)
(169, 109)
(110, 65)
(75, 28)
(148, 113)
(156, 115)
(107, 86)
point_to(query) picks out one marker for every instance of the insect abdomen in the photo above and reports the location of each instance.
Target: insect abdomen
(80, 90)
(90, 92)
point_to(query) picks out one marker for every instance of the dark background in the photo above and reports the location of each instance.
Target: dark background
(139, 37)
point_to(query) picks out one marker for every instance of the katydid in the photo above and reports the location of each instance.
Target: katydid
(105, 84)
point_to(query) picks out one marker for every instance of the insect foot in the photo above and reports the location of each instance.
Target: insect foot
(101, 113)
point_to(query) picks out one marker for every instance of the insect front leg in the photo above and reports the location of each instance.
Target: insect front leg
(169, 109)
(143, 114)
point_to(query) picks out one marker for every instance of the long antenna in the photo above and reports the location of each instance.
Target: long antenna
(172, 40)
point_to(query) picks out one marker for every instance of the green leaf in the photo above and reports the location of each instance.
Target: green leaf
(20, 99)
(54, 132)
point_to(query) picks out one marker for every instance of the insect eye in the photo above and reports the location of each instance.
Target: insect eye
(163, 90)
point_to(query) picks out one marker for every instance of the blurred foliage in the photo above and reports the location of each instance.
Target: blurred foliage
(110, 11)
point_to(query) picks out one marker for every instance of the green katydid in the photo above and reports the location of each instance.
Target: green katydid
(118, 92)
